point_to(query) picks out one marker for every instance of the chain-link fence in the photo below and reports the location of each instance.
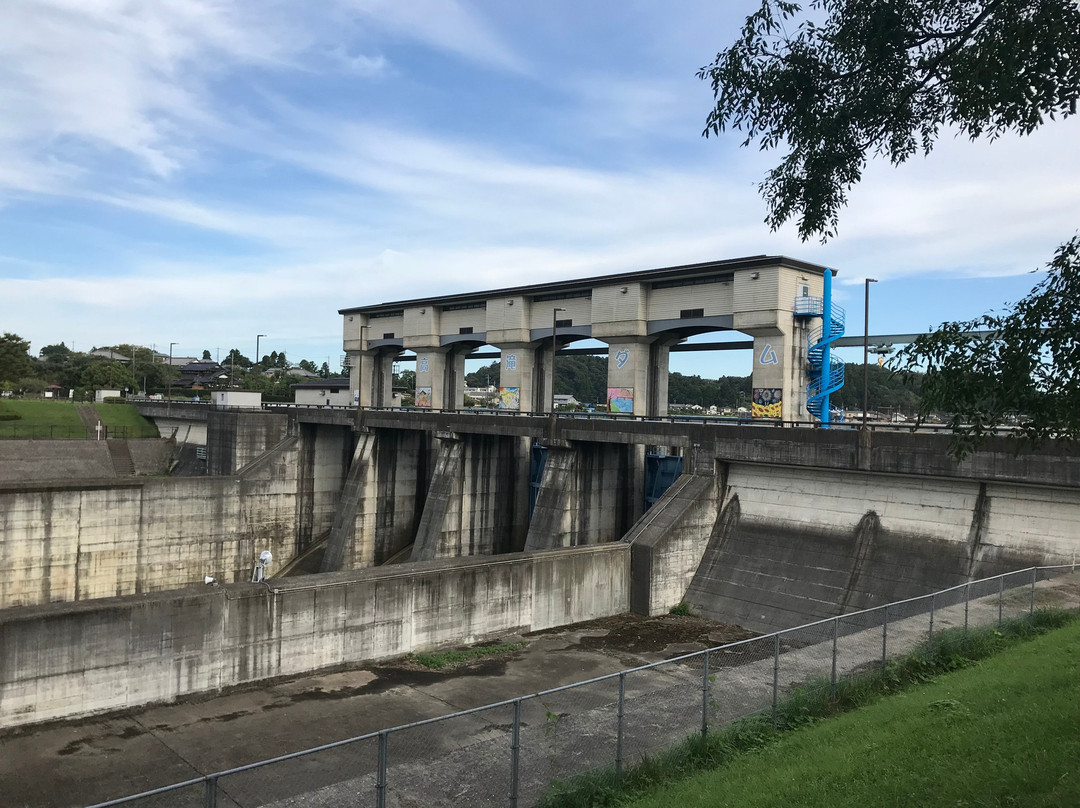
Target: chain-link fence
(510, 752)
(15, 431)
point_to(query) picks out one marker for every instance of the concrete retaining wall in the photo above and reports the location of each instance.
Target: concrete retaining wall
(150, 457)
(792, 546)
(77, 659)
(33, 460)
(65, 542)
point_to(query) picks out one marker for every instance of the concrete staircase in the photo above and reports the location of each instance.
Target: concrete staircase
(121, 457)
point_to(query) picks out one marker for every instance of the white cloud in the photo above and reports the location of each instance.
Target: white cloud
(444, 24)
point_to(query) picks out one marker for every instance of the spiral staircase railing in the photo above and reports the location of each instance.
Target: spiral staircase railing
(825, 381)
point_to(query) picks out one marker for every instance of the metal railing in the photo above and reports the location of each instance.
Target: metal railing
(16, 431)
(507, 753)
(716, 420)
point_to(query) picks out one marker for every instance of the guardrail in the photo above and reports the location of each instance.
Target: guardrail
(723, 420)
(515, 748)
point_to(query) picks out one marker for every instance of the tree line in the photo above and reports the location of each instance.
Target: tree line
(143, 371)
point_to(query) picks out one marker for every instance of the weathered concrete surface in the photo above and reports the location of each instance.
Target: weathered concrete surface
(467, 758)
(24, 461)
(667, 543)
(79, 762)
(78, 540)
(324, 454)
(36, 460)
(476, 501)
(75, 659)
(794, 546)
(590, 493)
(235, 438)
(344, 527)
(886, 452)
(150, 457)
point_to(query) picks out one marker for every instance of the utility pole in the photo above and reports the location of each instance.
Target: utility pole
(866, 349)
(168, 382)
(554, 348)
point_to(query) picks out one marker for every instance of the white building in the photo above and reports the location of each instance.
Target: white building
(245, 399)
(323, 393)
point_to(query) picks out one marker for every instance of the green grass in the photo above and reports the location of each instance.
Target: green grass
(992, 722)
(443, 660)
(682, 609)
(124, 420)
(41, 419)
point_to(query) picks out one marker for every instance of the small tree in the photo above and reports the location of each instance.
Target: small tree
(1027, 373)
(876, 77)
(15, 362)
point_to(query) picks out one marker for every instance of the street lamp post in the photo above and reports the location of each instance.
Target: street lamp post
(554, 347)
(168, 381)
(866, 349)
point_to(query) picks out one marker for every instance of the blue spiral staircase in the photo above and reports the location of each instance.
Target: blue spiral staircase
(826, 372)
(824, 381)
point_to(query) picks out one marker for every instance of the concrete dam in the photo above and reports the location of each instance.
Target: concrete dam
(766, 527)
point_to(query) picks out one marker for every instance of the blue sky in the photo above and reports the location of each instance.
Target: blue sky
(202, 171)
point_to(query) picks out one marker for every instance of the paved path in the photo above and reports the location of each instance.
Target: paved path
(90, 418)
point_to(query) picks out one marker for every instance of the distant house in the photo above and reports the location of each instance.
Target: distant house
(323, 393)
(302, 374)
(201, 374)
(109, 353)
(176, 361)
(564, 400)
(485, 394)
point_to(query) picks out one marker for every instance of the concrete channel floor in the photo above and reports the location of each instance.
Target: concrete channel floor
(91, 760)
(465, 761)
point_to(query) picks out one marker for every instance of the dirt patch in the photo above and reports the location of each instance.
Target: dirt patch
(632, 633)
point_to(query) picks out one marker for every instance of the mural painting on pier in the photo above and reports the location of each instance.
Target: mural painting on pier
(423, 396)
(767, 402)
(509, 398)
(620, 399)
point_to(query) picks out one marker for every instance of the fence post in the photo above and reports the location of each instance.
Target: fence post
(380, 776)
(515, 751)
(1001, 596)
(832, 676)
(930, 638)
(1034, 575)
(210, 793)
(619, 731)
(775, 676)
(884, 638)
(705, 697)
(967, 601)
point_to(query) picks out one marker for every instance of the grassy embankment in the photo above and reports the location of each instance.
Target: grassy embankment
(987, 719)
(124, 420)
(40, 419)
(59, 419)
